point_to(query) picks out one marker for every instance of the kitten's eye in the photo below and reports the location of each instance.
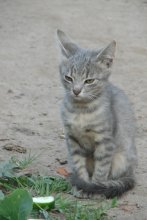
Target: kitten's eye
(68, 78)
(89, 81)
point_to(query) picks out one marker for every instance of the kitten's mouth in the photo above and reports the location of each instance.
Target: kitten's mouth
(77, 97)
(80, 98)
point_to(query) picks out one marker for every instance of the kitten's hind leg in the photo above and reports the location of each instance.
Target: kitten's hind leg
(119, 165)
(78, 158)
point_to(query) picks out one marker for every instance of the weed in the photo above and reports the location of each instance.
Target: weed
(25, 162)
(45, 185)
(76, 210)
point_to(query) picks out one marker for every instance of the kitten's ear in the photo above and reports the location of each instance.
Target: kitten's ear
(68, 48)
(107, 54)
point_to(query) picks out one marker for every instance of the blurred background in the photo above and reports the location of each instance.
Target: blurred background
(30, 89)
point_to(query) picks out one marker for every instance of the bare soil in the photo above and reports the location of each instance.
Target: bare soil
(30, 89)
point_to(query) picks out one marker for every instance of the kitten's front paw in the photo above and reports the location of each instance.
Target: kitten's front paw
(94, 180)
(97, 179)
(85, 177)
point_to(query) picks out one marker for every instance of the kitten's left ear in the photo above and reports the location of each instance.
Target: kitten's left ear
(107, 54)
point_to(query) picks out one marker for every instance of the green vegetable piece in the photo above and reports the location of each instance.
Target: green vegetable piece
(47, 202)
(16, 206)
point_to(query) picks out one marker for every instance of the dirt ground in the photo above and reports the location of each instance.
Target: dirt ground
(30, 89)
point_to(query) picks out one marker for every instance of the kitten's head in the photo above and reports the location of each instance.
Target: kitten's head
(84, 73)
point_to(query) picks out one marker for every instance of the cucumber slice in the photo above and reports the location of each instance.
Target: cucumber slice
(47, 202)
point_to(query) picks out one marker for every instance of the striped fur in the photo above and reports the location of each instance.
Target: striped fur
(98, 121)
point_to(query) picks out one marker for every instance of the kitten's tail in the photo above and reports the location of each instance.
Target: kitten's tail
(110, 189)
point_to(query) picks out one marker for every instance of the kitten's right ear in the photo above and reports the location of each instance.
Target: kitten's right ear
(107, 54)
(68, 48)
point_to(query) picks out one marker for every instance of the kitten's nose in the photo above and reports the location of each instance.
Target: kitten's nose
(76, 91)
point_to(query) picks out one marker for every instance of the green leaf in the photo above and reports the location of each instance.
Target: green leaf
(2, 218)
(17, 205)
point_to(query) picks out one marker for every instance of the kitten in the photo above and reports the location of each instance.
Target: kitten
(98, 121)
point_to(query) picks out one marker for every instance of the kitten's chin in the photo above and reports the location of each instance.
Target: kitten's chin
(80, 99)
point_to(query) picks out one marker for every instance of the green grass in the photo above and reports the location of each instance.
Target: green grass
(45, 185)
(66, 206)
(25, 161)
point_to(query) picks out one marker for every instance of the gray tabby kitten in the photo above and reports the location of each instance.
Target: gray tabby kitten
(98, 121)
